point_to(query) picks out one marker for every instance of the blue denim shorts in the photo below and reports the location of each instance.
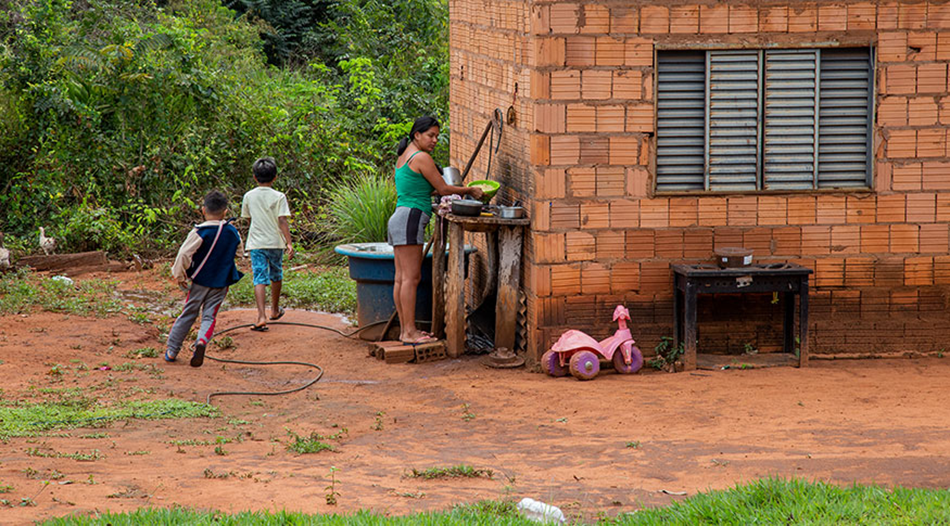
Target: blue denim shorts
(266, 264)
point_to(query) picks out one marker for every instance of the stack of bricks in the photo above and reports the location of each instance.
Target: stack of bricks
(582, 154)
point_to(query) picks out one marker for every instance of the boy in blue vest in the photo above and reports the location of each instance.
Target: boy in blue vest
(207, 259)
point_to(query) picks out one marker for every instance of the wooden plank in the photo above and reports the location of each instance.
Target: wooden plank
(438, 279)
(455, 293)
(57, 262)
(509, 283)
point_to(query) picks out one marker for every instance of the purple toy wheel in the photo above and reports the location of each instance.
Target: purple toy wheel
(636, 361)
(551, 364)
(585, 365)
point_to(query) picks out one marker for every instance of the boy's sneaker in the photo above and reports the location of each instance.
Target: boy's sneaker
(199, 357)
(170, 355)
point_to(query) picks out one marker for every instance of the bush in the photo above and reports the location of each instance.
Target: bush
(359, 211)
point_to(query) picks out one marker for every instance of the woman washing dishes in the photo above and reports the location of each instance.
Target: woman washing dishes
(417, 177)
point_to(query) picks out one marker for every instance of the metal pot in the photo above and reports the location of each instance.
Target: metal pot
(452, 176)
(466, 207)
(511, 212)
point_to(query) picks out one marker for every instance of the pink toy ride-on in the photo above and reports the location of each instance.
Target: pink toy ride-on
(580, 354)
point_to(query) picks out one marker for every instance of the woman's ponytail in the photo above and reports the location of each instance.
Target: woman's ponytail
(403, 144)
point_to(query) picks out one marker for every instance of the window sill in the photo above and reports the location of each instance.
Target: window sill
(710, 193)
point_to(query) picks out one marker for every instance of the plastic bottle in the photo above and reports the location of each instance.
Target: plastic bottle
(540, 512)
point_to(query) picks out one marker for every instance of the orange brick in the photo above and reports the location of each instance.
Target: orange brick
(579, 51)
(581, 246)
(698, 243)
(875, 239)
(903, 300)
(862, 16)
(774, 19)
(566, 85)
(582, 181)
(640, 118)
(596, 19)
(564, 18)
(787, 241)
(624, 213)
(943, 111)
(648, 86)
(565, 280)
(714, 18)
(934, 238)
(922, 208)
(772, 210)
(727, 237)
(595, 84)
(922, 111)
(609, 52)
(742, 210)
(743, 19)
(549, 118)
(540, 212)
(932, 142)
(549, 51)
(892, 111)
(610, 119)
(829, 272)
(861, 209)
(540, 85)
(684, 19)
(901, 79)
(832, 17)
(549, 248)
(638, 52)
(669, 244)
(892, 47)
(610, 181)
(655, 278)
(539, 279)
(655, 213)
(654, 19)
(845, 239)
(912, 16)
(887, 15)
(816, 240)
(932, 78)
(551, 183)
(624, 150)
(581, 118)
(831, 210)
(919, 271)
(890, 208)
(943, 46)
(802, 210)
(565, 215)
(802, 17)
(938, 16)
(624, 20)
(922, 46)
(759, 240)
(858, 272)
(640, 244)
(904, 238)
(713, 211)
(901, 144)
(624, 277)
(637, 181)
(906, 177)
(684, 211)
(595, 214)
(943, 207)
(882, 175)
(935, 175)
(942, 270)
(628, 84)
(595, 150)
(540, 150)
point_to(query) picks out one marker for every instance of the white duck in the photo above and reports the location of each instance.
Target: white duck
(48, 244)
(4, 255)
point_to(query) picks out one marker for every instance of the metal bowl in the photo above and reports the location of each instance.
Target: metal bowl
(511, 212)
(452, 176)
(466, 207)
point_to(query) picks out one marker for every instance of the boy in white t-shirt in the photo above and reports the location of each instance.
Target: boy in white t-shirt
(267, 238)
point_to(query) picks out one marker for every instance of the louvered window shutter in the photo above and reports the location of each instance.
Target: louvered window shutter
(844, 118)
(791, 137)
(681, 120)
(733, 126)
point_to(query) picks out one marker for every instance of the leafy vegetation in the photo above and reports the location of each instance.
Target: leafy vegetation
(461, 470)
(22, 290)
(330, 290)
(117, 115)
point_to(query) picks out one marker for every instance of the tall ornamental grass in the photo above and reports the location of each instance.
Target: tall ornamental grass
(360, 209)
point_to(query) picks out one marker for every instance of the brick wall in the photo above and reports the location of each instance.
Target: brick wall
(582, 154)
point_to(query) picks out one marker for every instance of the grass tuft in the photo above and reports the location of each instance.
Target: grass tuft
(460, 470)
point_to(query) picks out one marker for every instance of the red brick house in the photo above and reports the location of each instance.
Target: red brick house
(649, 133)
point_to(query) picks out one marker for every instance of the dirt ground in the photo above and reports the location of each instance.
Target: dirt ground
(607, 446)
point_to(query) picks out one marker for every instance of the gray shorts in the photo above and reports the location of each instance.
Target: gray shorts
(407, 226)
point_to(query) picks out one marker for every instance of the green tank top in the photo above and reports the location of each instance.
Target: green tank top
(412, 188)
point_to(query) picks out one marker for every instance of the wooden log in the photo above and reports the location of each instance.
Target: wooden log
(438, 279)
(509, 283)
(58, 262)
(455, 293)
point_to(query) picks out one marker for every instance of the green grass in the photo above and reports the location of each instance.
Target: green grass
(331, 290)
(33, 419)
(768, 501)
(460, 470)
(22, 291)
(313, 443)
